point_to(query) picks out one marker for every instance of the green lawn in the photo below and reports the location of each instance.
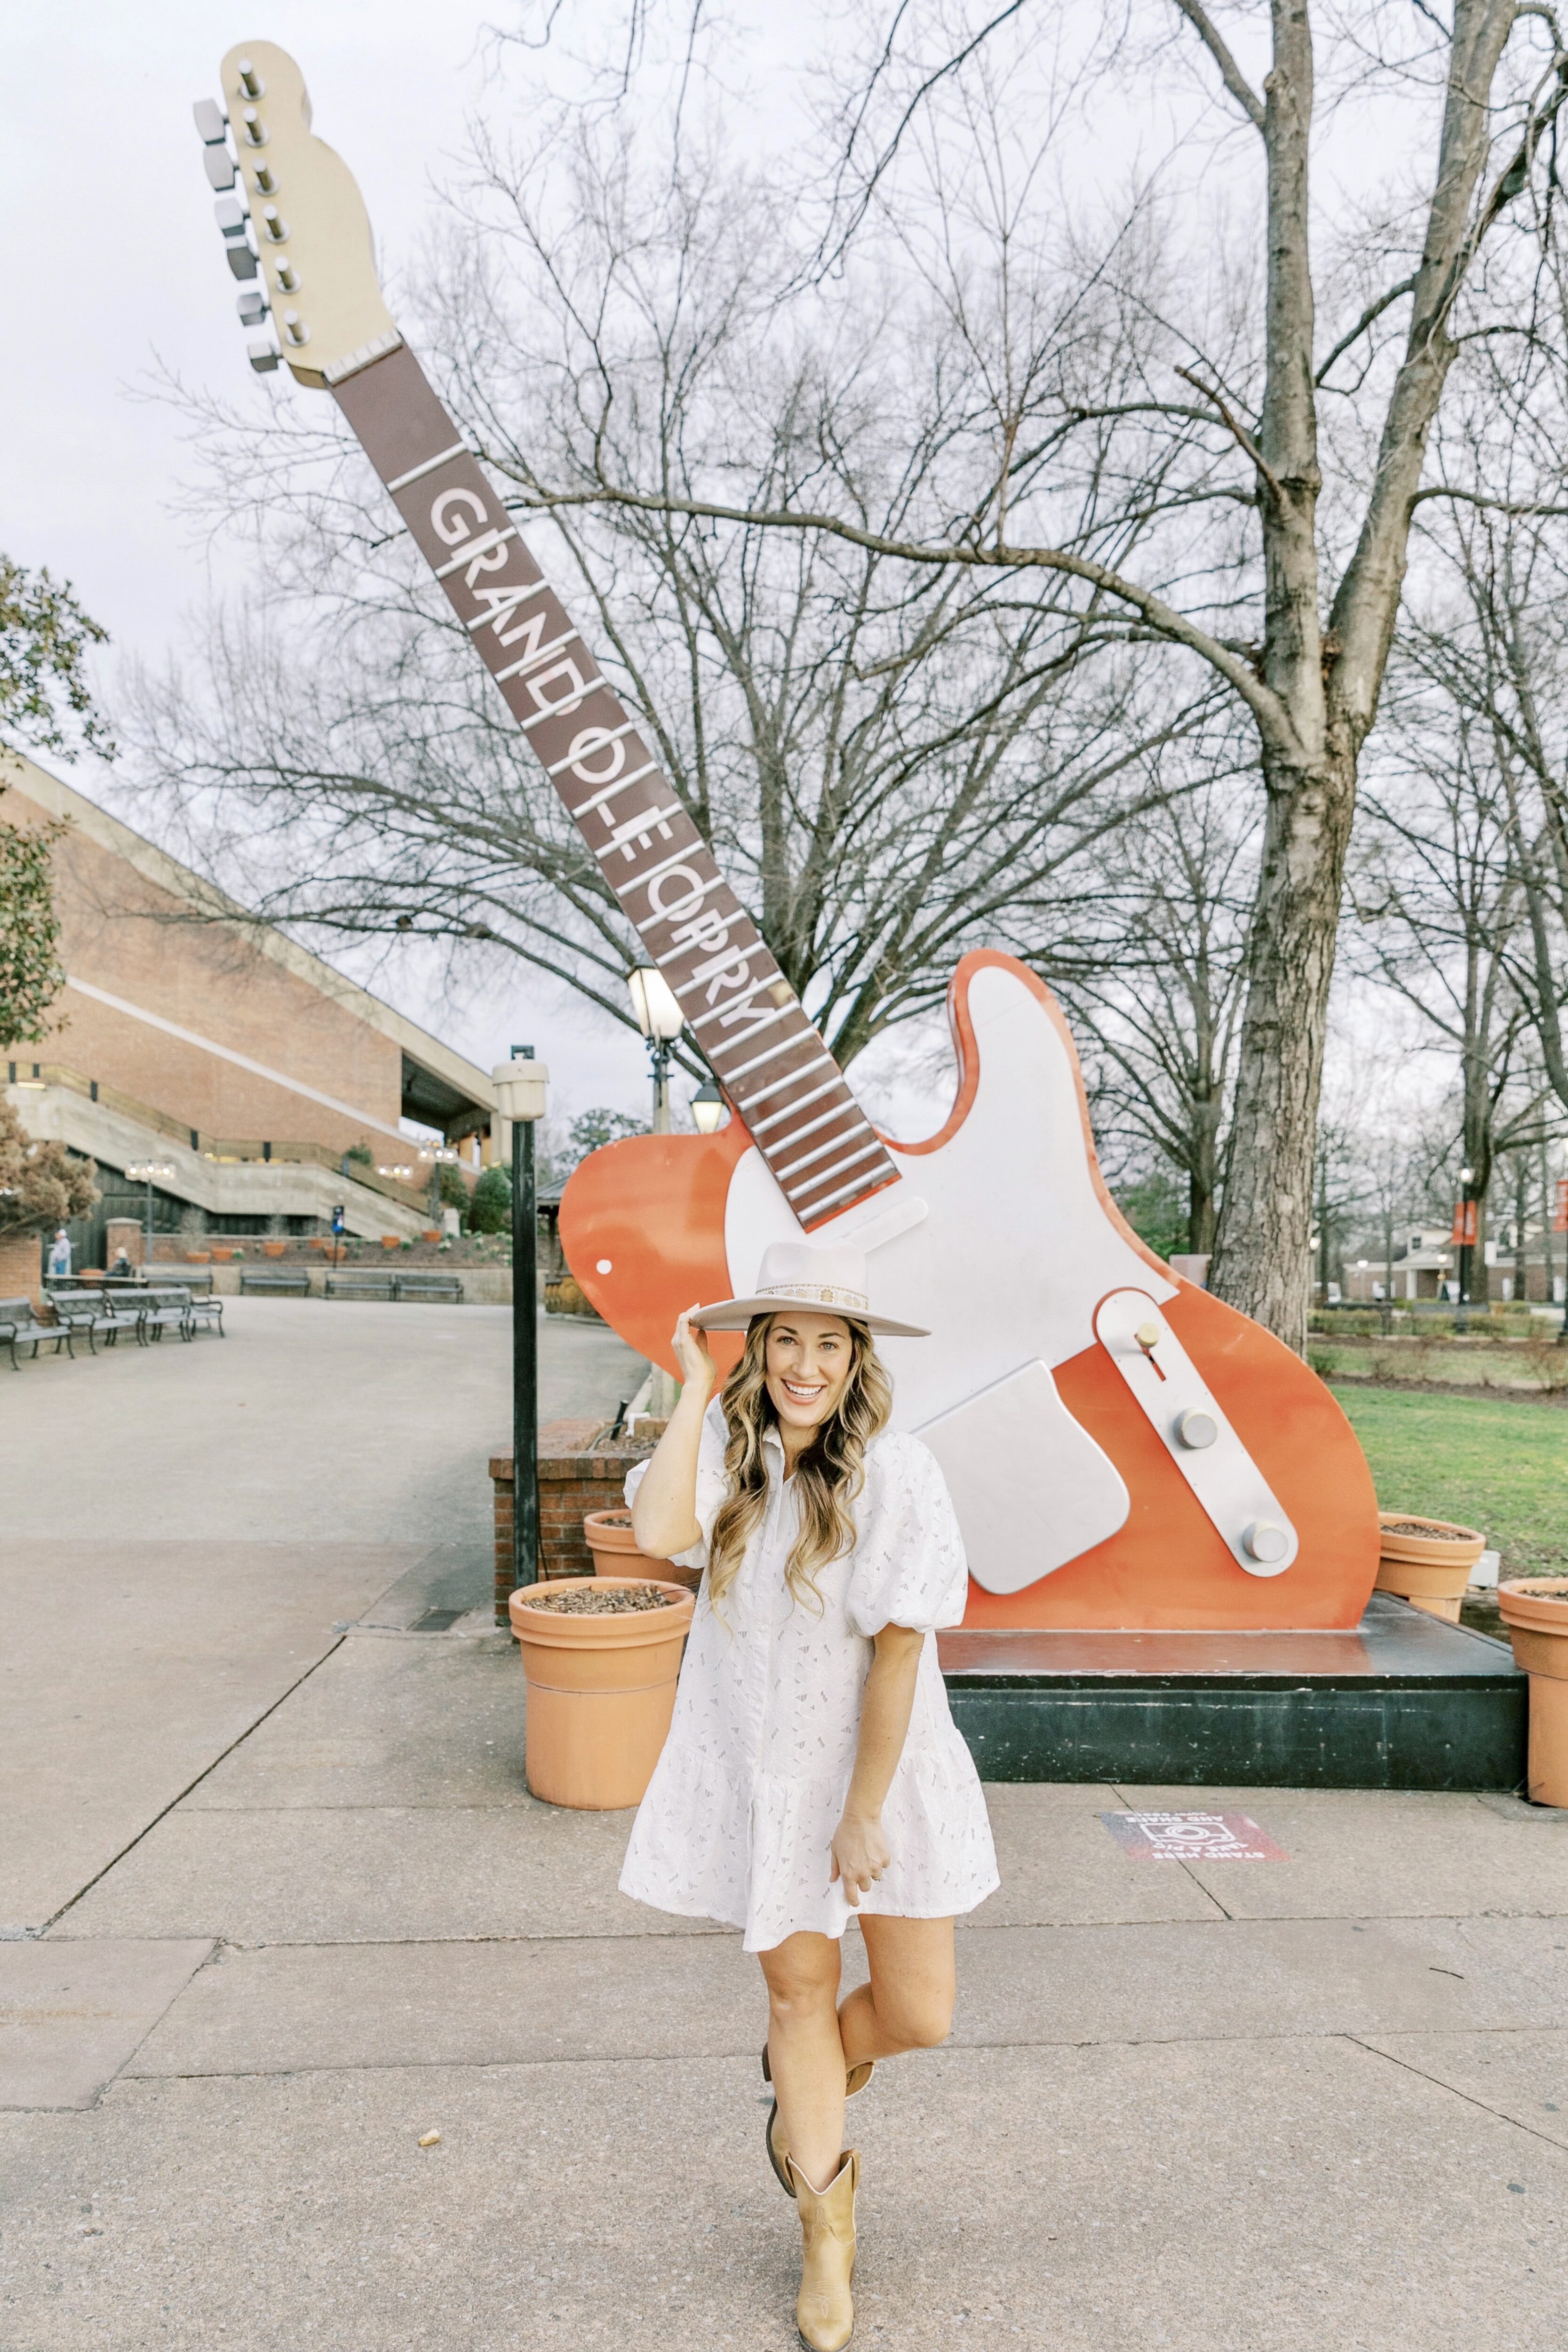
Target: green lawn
(1502, 1467)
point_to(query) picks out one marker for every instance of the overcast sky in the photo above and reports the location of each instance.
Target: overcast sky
(112, 257)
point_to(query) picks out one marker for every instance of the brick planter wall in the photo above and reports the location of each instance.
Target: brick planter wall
(21, 1257)
(574, 1478)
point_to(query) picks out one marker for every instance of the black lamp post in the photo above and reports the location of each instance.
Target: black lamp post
(1466, 1247)
(520, 1086)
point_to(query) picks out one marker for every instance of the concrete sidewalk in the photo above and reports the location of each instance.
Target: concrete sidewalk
(1316, 2101)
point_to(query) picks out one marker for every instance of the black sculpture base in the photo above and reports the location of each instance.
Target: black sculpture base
(1404, 1702)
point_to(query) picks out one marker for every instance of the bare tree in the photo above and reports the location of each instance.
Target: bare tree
(1110, 402)
(1151, 975)
(890, 763)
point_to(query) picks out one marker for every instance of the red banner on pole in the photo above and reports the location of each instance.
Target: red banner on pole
(1560, 1222)
(1464, 1224)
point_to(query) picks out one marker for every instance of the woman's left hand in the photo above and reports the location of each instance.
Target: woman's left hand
(860, 1855)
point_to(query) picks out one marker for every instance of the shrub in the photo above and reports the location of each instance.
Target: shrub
(489, 1206)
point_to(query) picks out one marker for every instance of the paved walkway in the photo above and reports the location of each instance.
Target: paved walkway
(304, 1911)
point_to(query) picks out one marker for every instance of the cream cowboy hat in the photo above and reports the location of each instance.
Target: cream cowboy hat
(797, 1273)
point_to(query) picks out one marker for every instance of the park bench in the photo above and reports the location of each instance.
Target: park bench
(166, 1310)
(96, 1314)
(362, 1286)
(205, 1314)
(19, 1326)
(261, 1279)
(446, 1287)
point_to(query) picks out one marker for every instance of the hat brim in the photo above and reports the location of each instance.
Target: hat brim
(735, 1314)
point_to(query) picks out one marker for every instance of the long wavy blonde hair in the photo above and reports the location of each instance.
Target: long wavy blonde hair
(829, 1475)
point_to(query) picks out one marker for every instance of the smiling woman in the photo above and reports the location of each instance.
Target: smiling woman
(812, 1768)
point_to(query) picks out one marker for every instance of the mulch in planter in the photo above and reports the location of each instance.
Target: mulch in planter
(611, 1600)
(1423, 1527)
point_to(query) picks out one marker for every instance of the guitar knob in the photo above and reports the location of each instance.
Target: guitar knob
(1147, 1337)
(1196, 1428)
(1265, 1541)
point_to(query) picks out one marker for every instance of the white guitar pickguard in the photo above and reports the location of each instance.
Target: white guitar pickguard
(998, 1240)
(1077, 1492)
(1015, 1250)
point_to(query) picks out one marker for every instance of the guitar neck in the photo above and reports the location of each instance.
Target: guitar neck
(769, 1058)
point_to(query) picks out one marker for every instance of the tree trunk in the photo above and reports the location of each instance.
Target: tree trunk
(1262, 1250)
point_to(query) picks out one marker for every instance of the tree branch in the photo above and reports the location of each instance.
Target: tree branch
(1234, 80)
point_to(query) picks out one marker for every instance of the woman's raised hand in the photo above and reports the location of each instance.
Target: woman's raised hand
(697, 1366)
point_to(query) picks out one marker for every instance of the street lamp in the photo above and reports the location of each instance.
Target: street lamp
(661, 1021)
(707, 1107)
(1461, 1319)
(150, 1172)
(520, 1086)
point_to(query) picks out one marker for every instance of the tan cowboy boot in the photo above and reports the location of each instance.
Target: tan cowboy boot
(823, 2311)
(855, 2079)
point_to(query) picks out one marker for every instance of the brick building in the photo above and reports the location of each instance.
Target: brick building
(271, 1087)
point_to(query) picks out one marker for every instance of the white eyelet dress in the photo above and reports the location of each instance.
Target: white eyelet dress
(739, 1814)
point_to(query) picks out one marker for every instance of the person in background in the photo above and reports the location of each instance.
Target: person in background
(122, 1270)
(60, 1259)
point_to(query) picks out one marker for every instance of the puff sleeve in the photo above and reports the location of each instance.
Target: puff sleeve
(909, 1567)
(710, 1483)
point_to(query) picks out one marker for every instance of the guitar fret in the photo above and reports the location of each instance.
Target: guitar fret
(821, 1152)
(814, 1183)
(687, 856)
(813, 1126)
(641, 827)
(742, 996)
(532, 661)
(560, 709)
(608, 791)
(519, 596)
(612, 735)
(776, 1118)
(853, 1191)
(417, 473)
(481, 546)
(732, 1077)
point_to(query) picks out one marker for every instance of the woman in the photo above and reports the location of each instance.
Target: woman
(812, 1768)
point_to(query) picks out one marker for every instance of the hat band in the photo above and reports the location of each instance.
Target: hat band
(822, 1293)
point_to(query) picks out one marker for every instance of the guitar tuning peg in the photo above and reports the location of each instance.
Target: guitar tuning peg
(294, 327)
(211, 121)
(266, 182)
(273, 222)
(256, 132)
(250, 81)
(251, 306)
(263, 354)
(287, 276)
(219, 164)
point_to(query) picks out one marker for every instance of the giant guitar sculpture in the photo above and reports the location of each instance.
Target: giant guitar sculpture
(1123, 1449)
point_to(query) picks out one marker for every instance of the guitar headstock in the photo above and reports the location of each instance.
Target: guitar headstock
(309, 242)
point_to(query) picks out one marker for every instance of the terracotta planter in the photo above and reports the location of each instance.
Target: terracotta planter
(392, 1241)
(601, 1691)
(221, 1256)
(1431, 1569)
(273, 1249)
(432, 1234)
(615, 1553)
(198, 1257)
(1535, 1610)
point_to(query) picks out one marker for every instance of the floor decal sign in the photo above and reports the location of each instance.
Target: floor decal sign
(1192, 1837)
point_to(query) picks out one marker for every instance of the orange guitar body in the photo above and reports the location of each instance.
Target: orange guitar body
(1002, 1236)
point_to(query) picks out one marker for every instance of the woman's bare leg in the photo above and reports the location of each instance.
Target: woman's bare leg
(805, 2053)
(908, 2004)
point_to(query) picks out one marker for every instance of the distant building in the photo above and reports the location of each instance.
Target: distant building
(1425, 1265)
(189, 1035)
